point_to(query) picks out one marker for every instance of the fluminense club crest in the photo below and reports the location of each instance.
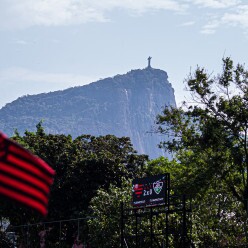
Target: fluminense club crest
(157, 186)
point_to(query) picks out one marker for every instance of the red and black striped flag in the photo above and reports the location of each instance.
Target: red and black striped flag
(23, 176)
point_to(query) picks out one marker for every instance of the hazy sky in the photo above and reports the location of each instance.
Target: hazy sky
(47, 45)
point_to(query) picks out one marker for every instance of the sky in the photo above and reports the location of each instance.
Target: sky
(49, 45)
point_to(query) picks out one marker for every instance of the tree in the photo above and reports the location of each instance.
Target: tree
(217, 219)
(82, 166)
(209, 140)
(104, 229)
(214, 128)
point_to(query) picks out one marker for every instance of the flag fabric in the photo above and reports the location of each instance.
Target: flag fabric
(24, 177)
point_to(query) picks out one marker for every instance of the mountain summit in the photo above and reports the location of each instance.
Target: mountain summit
(123, 105)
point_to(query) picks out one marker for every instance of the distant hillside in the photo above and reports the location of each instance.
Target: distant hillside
(124, 105)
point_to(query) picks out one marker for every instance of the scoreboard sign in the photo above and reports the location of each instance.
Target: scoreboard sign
(150, 191)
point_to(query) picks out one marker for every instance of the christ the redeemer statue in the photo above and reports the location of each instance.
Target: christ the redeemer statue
(149, 62)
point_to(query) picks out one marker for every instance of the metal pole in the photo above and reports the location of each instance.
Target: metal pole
(136, 229)
(151, 227)
(167, 231)
(28, 237)
(78, 230)
(60, 234)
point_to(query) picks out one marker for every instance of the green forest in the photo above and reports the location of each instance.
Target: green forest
(208, 146)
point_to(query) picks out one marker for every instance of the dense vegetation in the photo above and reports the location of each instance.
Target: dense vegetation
(82, 166)
(208, 139)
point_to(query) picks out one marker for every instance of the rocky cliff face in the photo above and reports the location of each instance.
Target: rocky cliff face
(125, 105)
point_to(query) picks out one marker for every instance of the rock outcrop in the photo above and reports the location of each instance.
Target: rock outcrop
(123, 105)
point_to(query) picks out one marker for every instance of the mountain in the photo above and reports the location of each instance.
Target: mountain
(123, 105)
